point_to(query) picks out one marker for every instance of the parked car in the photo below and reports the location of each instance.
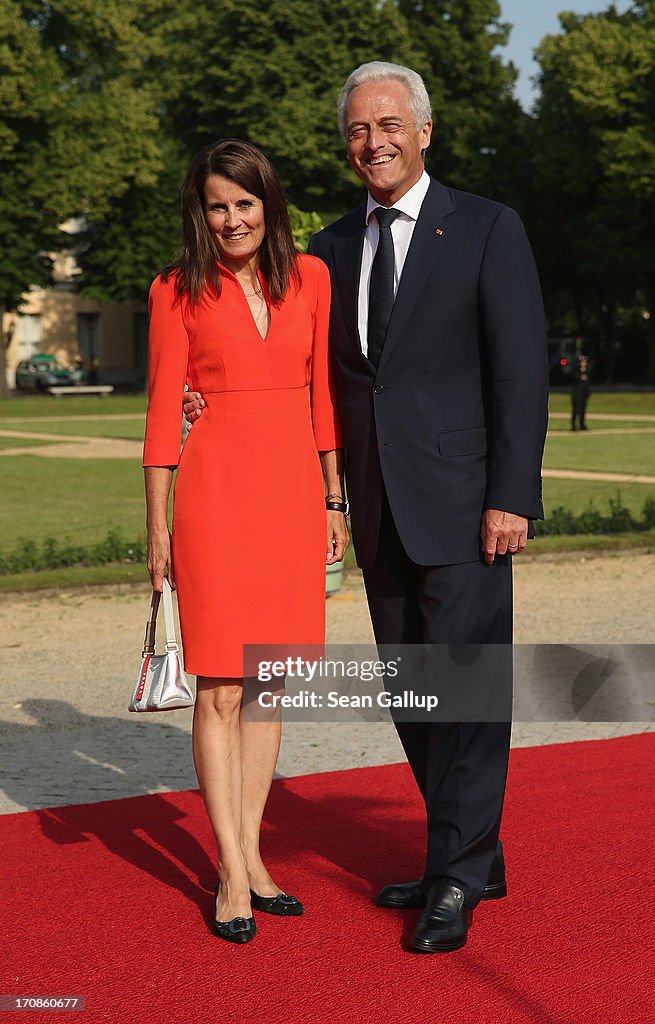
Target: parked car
(42, 372)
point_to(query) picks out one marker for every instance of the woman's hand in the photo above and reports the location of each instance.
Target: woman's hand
(159, 558)
(338, 537)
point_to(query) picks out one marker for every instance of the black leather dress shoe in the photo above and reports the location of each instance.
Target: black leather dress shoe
(443, 926)
(281, 905)
(413, 895)
(496, 887)
(404, 895)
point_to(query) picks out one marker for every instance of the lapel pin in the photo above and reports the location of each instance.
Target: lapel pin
(439, 231)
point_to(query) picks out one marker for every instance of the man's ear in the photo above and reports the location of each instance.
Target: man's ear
(426, 130)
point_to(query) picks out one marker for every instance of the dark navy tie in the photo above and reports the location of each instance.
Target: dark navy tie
(380, 295)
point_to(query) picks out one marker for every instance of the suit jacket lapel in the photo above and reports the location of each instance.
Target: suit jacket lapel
(428, 246)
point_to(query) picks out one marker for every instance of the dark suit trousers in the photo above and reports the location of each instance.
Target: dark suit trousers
(460, 767)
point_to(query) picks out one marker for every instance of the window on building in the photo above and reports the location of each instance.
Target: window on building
(28, 334)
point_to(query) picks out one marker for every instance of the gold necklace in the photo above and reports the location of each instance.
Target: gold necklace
(260, 295)
(257, 292)
(259, 312)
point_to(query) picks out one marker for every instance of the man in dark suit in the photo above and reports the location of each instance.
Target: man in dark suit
(438, 342)
(440, 361)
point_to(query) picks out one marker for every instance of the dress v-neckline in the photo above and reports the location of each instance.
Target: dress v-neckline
(262, 337)
(230, 273)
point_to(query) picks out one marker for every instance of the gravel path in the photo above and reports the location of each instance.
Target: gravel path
(620, 417)
(69, 657)
(67, 446)
(592, 474)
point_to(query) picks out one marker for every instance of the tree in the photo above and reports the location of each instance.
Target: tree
(251, 78)
(120, 254)
(29, 80)
(594, 145)
(105, 136)
(103, 104)
(79, 120)
(478, 139)
(270, 72)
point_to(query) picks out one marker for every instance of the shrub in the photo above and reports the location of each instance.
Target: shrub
(559, 521)
(648, 513)
(303, 226)
(618, 519)
(55, 554)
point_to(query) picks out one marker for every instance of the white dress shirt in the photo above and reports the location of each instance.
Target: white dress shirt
(402, 230)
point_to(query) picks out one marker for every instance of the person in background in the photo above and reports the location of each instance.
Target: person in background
(580, 388)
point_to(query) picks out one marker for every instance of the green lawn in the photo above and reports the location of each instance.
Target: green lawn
(635, 403)
(69, 499)
(79, 500)
(27, 407)
(595, 424)
(588, 542)
(77, 576)
(131, 429)
(20, 442)
(575, 495)
(611, 453)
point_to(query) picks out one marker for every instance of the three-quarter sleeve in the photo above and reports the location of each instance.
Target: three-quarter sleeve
(327, 433)
(168, 355)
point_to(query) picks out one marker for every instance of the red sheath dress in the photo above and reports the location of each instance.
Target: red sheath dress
(249, 522)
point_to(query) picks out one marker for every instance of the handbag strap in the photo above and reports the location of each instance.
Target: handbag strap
(169, 621)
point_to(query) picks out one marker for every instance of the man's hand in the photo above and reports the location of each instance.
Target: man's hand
(193, 403)
(338, 537)
(502, 532)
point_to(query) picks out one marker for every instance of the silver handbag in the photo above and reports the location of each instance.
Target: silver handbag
(161, 684)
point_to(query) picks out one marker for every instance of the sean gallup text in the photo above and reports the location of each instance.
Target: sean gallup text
(333, 699)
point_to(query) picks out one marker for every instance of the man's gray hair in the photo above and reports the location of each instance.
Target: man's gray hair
(381, 71)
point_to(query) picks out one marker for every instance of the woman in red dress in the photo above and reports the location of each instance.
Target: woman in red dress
(242, 318)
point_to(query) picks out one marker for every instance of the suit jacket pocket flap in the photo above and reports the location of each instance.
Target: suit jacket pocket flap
(463, 442)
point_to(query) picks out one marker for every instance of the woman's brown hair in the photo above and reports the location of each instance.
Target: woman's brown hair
(196, 267)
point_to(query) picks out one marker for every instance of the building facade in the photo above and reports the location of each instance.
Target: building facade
(110, 339)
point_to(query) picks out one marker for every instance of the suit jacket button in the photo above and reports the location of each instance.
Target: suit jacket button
(378, 389)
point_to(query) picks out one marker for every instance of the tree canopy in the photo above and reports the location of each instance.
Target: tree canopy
(594, 171)
(103, 102)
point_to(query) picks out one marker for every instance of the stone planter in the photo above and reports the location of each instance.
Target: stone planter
(333, 577)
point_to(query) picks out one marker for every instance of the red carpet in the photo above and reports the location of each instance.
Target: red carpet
(109, 901)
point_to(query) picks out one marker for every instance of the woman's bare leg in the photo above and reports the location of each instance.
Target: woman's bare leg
(261, 730)
(217, 756)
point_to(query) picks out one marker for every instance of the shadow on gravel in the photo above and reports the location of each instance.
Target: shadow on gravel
(67, 757)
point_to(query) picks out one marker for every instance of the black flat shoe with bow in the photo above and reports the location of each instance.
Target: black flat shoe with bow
(281, 905)
(239, 929)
